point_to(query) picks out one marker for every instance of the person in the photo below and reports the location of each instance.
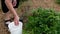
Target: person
(10, 6)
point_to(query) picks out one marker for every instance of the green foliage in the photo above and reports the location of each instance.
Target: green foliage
(43, 21)
(58, 1)
(22, 1)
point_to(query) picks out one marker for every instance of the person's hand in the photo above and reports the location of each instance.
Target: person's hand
(16, 20)
(14, 3)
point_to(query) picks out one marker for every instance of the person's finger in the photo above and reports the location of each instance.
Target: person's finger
(16, 22)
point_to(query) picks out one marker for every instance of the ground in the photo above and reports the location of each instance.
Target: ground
(26, 6)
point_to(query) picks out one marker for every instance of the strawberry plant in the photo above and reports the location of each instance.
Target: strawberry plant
(58, 1)
(42, 21)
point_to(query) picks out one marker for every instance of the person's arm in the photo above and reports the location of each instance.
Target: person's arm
(10, 7)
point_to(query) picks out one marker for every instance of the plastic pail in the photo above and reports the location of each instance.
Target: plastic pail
(15, 29)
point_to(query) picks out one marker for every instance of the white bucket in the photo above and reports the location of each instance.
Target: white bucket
(15, 29)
